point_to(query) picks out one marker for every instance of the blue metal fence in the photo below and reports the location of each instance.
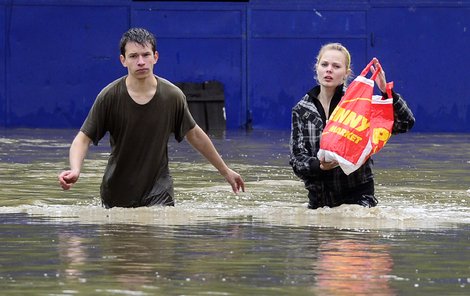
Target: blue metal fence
(55, 56)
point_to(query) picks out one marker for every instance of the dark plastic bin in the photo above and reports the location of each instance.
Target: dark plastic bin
(206, 102)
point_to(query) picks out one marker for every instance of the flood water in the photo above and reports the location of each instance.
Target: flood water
(261, 242)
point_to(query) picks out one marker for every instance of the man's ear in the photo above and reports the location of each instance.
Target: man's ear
(123, 60)
(156, 56)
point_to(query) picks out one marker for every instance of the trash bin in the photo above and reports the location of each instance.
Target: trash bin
(206, 102)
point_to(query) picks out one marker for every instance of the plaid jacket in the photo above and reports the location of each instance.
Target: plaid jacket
(308, 121)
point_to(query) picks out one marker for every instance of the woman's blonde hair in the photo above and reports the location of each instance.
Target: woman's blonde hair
(339, 47)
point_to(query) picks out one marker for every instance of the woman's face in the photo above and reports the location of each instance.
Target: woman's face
(331, 68)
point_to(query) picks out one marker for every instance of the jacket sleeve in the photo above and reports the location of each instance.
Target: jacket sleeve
(403, 117)
(302, 159)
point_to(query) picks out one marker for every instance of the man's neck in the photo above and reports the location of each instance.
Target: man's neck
(141, 90)
(141, 85)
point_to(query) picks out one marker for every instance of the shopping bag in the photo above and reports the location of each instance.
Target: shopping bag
(359, 126)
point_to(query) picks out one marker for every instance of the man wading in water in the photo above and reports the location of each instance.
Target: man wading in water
(140, 111)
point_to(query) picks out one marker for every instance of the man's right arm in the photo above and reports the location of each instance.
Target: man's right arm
(78, 151)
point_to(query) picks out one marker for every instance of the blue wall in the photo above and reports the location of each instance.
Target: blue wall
(55, 56)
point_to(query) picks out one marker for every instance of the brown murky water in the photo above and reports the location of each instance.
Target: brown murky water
(264, 241)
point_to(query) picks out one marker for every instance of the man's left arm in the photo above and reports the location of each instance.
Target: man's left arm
(201, 142)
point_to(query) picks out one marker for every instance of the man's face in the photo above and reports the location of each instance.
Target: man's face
(139, 60)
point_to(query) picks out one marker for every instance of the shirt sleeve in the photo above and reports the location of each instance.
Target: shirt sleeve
(184, 120)
(403, 117)
(302, 156)
(94, 124)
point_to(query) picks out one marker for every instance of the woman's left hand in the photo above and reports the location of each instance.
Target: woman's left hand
(380, 80)
(328, 165)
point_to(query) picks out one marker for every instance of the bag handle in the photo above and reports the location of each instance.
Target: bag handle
(367, 68)
(388, 89)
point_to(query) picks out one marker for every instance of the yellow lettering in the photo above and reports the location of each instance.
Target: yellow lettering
(380, 134)
(352, 120)
(345, 133)
(332, 115)
(354, 138)
(340, 114)
(364, 125)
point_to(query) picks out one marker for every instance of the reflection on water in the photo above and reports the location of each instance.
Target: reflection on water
(264, 241)
(230, 258)
(344, 261)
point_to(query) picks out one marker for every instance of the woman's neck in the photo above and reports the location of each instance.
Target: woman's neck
(326, 94)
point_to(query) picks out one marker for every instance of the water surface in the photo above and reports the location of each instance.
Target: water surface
(264, 241)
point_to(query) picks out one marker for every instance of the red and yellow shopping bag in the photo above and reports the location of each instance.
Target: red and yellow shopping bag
(359, 126)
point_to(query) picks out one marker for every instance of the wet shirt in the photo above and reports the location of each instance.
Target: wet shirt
(137, 168)
(308, 122)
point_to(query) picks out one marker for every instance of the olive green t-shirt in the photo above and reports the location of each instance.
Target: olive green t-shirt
(138, 164)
